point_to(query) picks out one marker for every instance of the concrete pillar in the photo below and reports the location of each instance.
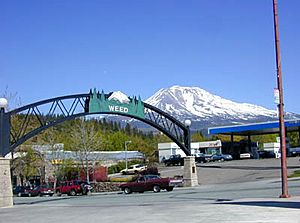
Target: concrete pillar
(190, 172)
(6, 196)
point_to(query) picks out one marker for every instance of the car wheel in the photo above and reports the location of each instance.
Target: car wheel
(123, 172)
(29, 195)
(19, 194)
(156, 188)
(169, 188)
(72, 192)
(222, 159)
(58, 193)
(127, 190)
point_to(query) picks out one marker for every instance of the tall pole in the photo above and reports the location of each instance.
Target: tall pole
(187, 135)
(4, 132)
(6, 196)
(284, 183)
(126, 161)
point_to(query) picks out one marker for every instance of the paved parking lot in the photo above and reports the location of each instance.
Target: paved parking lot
(238, 191)
(236, 171)
(237, 202)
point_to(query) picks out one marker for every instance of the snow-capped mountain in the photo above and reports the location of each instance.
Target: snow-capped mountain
(207, 109)
(119, 96)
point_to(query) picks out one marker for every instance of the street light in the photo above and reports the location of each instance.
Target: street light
(187, 140)
(3, 104)
(187, 123)
(126, 142)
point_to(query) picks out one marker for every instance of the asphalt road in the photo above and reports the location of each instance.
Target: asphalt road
(237, 202)
(225, 200)
(236, 171)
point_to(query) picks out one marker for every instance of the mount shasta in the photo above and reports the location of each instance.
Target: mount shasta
(207, 110)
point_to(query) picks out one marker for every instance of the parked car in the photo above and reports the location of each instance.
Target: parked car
(294, 151)
(149, 183)
(202, 158)
(46, 189)
(266, 154)
(134, 169)
(221, 157)
(30, 192)
(18, 189)
(174, 160)
(73, 187)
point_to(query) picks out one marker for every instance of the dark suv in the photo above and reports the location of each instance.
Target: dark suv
(73, 187)
(174, 160)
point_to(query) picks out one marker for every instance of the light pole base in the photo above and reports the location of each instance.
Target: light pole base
(190, 178)
(6, 196)
(284, 196)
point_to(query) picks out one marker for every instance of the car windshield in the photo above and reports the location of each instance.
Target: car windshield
(151, 177)
(199, 154)
(83, 182)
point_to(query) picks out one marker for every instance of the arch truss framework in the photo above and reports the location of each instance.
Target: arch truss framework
(23, 123)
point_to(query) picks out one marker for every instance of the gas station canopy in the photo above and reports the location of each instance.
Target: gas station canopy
(256, 128)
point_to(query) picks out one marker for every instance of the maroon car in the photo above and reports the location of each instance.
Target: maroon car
(29, 192)
(46, 190)
(36, 191)
(148, 183)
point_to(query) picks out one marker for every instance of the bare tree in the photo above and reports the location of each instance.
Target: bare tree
(85, 141)
(48, 138)
(13, 99)
(29, 163)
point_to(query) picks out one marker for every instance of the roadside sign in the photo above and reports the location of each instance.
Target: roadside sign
(276, 96)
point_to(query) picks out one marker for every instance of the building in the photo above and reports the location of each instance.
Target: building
(54, 156)
(165, 150)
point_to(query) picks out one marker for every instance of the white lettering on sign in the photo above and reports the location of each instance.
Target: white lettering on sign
(118, 109)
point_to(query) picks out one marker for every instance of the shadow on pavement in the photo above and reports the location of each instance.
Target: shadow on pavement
(280, 204)
(30, 202)
(246, 167)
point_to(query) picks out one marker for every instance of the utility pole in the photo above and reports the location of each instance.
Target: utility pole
(126, 161)
(284, 182)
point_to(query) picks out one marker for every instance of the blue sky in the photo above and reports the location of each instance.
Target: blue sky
(54, 48)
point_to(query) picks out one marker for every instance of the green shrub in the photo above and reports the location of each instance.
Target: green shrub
(295, 174)
(122, 179)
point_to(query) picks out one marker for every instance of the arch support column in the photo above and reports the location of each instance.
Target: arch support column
(190, 172)
(6, 196)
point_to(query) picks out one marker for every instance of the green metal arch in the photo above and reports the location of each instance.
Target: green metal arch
(71, 106)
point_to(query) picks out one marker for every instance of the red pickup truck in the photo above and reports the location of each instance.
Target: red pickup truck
(73, 188)
(149, 183)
